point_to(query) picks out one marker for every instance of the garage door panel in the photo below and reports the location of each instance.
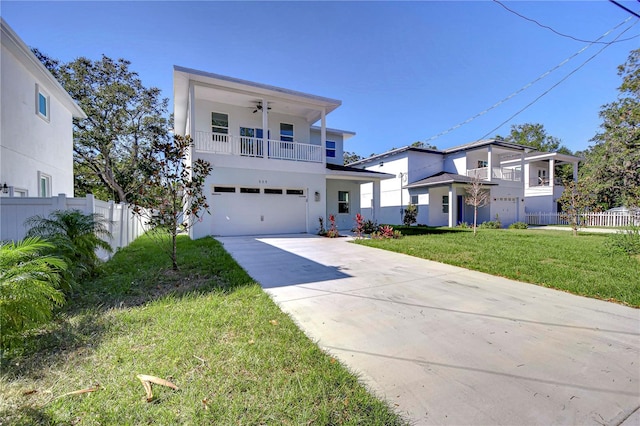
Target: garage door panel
(256, 214)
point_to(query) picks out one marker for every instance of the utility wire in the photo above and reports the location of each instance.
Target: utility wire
(625, 8)
(567, 35)
(526, 86)
(557, 84)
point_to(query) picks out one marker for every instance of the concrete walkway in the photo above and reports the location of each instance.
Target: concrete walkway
(445, 345)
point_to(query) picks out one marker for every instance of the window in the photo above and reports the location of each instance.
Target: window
(295, 192)
(42, 103)
(286, 132)
(331, 149)
(445, 204)
(224, 189)
(343, 202)
(20, 192)
(220, 123)
(272, 191)
(44, 185)
(414, 201)
(482, 164)
(249, 190)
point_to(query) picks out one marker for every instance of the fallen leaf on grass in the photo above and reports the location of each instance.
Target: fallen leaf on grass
(205, 403)
(274, 322)
(81, 391)
(29, 392)
(147, 380)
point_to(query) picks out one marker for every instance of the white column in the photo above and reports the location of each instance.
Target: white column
(489, 163)
(525, 175)
(452, 206)
(323, 135)
(265, 128)
(552, 170)
(191, 119)
(375, 205)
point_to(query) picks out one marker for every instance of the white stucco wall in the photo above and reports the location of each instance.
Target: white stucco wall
(343, 220)
(28, 143)
(456, 163)
(331, 136)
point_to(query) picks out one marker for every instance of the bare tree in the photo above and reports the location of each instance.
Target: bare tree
(477, 196)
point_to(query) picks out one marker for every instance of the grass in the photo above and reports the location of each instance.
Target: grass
(211, 330)
(581, 265)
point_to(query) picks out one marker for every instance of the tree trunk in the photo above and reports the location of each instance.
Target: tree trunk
(475, 219)
(174, 250)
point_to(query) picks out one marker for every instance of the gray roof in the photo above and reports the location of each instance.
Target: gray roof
(395, 151)
(443, 178)
(484, 142)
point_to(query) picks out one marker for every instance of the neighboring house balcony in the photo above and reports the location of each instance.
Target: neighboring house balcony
(541, 181)
(513, 174)
(226, 144)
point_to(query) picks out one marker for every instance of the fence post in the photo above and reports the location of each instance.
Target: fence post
(124, 227)
(110, 218)
(60, 202)
(90, 206)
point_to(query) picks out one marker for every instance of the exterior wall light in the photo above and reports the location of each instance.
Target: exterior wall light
(5, 188)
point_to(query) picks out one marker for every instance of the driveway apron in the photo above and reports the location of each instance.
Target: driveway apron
(445, 345)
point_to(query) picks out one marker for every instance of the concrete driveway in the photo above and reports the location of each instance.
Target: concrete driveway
(445, 345)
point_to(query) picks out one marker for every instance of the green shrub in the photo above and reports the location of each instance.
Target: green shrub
(518, 225)
(369, 226)
(463, 225)
(410, 215)
(76, 237)
(28, 286)
(626, 241)
(490, 225)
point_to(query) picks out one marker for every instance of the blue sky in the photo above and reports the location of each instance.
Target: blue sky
(405, 71)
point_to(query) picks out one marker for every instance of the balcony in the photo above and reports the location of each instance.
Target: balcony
(544, 181)
(218, 143)
(502, 173)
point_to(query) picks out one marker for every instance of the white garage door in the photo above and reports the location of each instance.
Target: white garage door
(507, 210)
(258, 211)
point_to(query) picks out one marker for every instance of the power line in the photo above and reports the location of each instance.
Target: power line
(556, 85)
(625, 8)
(526, 86)
(567, 35)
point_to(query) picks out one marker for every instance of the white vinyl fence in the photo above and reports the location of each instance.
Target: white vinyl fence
(123, 225)
(604, 219)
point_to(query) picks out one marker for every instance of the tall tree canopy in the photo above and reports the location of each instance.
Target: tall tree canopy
(612, 165)
(535, 136)
(350, 157)
(124, 119)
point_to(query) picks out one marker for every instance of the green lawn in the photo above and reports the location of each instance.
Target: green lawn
(580, 265)
(211, 330)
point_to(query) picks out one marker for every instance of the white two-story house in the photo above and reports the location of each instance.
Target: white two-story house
(36, 125)
(519, 181)
(274, 170)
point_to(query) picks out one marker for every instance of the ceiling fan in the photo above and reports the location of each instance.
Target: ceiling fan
(258, 107)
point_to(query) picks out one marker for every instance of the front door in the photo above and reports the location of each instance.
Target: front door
(460, 212)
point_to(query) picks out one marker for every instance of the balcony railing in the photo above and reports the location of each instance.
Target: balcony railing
(503, 173)
(217, 143)
(544, 181)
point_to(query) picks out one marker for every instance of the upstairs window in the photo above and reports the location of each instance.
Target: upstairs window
(42, 103)
(286, 132)
(220, 123)
(331, 149)
(482, 164)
